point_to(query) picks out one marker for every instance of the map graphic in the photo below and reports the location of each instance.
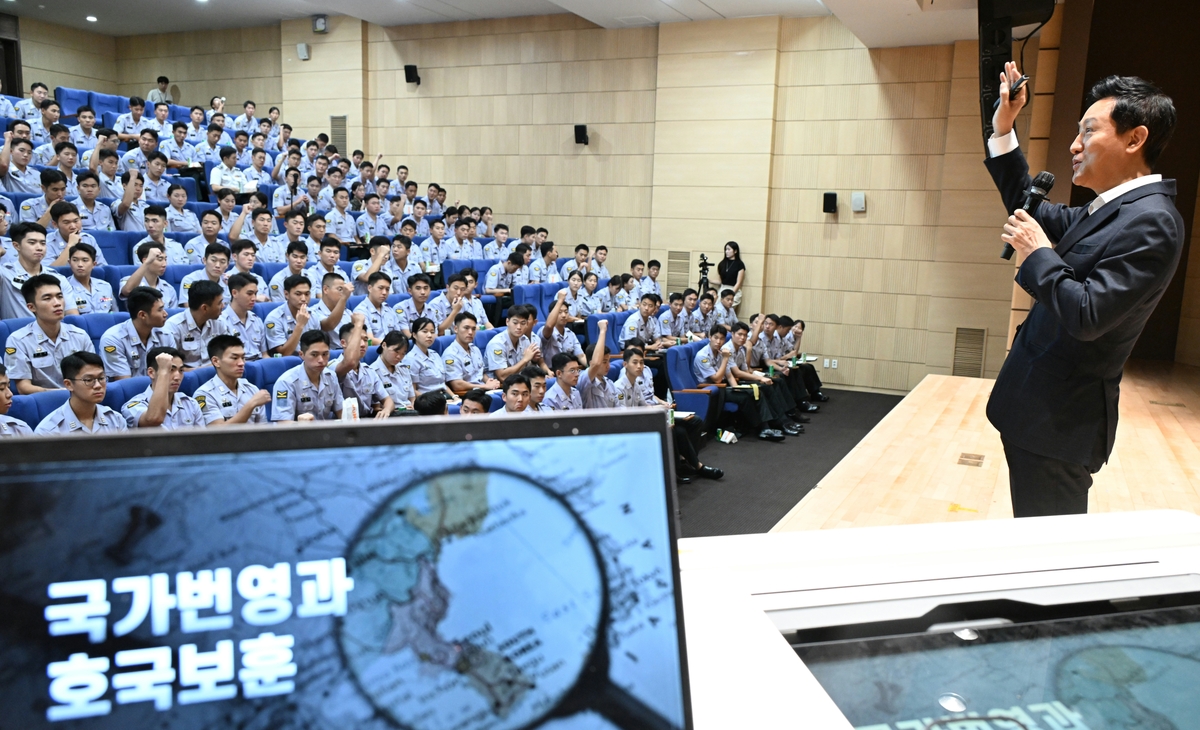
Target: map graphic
(483, 572)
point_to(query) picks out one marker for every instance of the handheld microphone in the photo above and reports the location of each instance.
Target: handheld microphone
(1037, 192)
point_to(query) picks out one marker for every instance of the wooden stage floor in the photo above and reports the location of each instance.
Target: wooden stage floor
(935, 457)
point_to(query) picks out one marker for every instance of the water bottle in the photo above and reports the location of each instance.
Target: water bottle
(670, 408)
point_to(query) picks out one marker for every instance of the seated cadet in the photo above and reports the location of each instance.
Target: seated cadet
(371, 223)
(130, 125)
(210, 226)
(124, 346)
(226, 201)
(83, 134)
(257, 173)
(53, 189)
(793, 333)
(475, 402)
(28, 108)
(626, 299)
(43, 153)
(690, 298)
(767, 352)
(544, 270)
(357, 380)
(401, 266)
(432, 403)
(608, 295)
(573, 293)
(177, 149)
(430, 248)
(68, 156)
(649, 283)
(82, 375)
(705, 315)
(588, 302)
(673, 323)
(245, 255)
(511, 350)
(67, 231)
(580, 262)
(643, 324)
(461, 245)
(239, 316)
(290, 195)
(17, 175)
(287, 323)
(472, 302)
(424, 363)
(10, 426)
(216, 262)
(39, 127)
(179, 218)
(155, 223)
(275, 251)
(464, 363)
(129, 212)
(159, 123)
(380, 248)
(555, 337)
(334, 179)
(156, 185)
(316, 233)
(226, 175)
(309, 391)
(93, 215)
(381, 317)
(109, 175)
(161, 404)
(497, 248)
(393, 371)
(228, 398)
(29, 246)
(339, 224)
(779, 405)
(190, 331)
(537, 387)
(139, 157)
(416, 307)
(84, 293)
(331, 310)
(447, 305)
(723, 311)
(33, 352)
(330, 253)
(209, 148)
(501, 278)
(246, 122)
(515, 393)
(297, 258)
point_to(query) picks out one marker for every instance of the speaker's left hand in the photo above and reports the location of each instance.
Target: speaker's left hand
(1024, 234)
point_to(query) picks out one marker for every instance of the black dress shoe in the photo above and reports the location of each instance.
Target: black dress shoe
(809, 408)
(792, 429)
(800, 418)
(708, 472)
(820, 397)
(681, 479)
(770, 434)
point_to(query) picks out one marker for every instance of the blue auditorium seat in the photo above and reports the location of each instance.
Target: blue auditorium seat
(103, 103)
(189, 184)
(483, 337)
(441, 343)
(97, 324)
(263, 373)
(262, 309)
(48, 401)
(8, 326)
(193, 379)
(121, 392)
(179, 113)
(689, 393)
(24, 408)
(117, 245)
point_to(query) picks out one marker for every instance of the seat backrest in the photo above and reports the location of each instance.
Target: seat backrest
(108, 119)
(121, 391)
(179, 113)
(8, 326)
(118, 245)
(49, 401)
(193, 379)
(614, 329)
(395, 299)
(24, 408)
(679, 365)
(262, 309)
(96, 324)
(102, 103)
(199, 207)
(263, 373)
(483, 337)
(174, 275)
(354, 301)
(614, 369)
(189, 184)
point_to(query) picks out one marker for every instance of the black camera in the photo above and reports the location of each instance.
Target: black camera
(704, 267)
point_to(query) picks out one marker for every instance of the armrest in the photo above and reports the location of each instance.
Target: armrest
(692, 390)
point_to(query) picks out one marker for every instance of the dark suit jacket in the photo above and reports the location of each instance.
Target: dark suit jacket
(1056, 394)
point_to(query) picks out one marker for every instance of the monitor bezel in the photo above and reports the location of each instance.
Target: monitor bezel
(138, 443)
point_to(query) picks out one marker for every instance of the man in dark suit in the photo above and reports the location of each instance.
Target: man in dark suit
(1095, 274)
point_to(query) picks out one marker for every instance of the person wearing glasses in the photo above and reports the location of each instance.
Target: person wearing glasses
(83, 376)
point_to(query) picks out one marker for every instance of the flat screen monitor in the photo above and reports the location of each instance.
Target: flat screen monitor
(432, 574)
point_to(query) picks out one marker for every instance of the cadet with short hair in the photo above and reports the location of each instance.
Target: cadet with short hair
(227, 397)
(297, 257)
(33, 352)
(537, 387)
(432, 403)
(68, 231)
(381, 317)
(475, 402)
(555, 337)
(357, 380)
(330, 312)
(162, 405)
(401, 266)
(150, 273)
(287, 323)
(516, 390)
(511, 350)
(239, 316)
(29, 241)
(125, 346)
(464, 361)
(10, 426)
(309, 391)
(191, 330)
(83, 375)
(216, 261)
(85, 293)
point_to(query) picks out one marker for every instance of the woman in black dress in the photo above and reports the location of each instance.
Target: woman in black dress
(732, 272)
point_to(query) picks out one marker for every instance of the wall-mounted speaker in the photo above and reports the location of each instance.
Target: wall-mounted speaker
(410, 75)
(303, 51)
(829, 205)
(581, 136)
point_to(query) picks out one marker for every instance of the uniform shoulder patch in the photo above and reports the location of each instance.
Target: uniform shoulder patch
(450, 362)
(10, 351)
(110, 349)
(26, 206)
(498, 352)
(270, 325)
(187, 285)
(201, 400)
(281, 394)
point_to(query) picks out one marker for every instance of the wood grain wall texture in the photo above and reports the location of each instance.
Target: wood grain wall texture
(60, 56)
(1187, 349)
(884, 290)
(493, 122)
(237, 63)
(714, 126)
(331, 83)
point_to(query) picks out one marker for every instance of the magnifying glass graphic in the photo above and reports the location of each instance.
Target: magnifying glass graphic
(481, 601)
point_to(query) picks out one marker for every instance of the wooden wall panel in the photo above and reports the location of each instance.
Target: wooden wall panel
(60, 56)
(1187, 348)
(239, 64)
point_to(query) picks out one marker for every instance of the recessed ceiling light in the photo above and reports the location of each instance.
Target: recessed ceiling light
(91, 18)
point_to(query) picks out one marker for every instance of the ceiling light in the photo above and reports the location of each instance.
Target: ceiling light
(91, 18)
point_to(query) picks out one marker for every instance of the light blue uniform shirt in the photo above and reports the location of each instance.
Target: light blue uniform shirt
(397, 384)
(122, 350)
(463, 363)
(294, 395)
(98, 219)
(502, 353)
(388, 318)
(217, 402)
(30, 354)
(12, 276)
(183, 413)
(252, 332)
(363, 383)
(12, 427)
(98, 299)
(191, 339)
(64, 420)
(182, 220)
(280, 324)
(428, 374)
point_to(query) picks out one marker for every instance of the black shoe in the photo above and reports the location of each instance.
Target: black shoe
(770, 434)
(793, 429)
(800, 418)
(807, 407)
(681, 479)
(708, 472)
(820, 397)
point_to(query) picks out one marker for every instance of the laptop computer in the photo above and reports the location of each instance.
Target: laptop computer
(433, 573)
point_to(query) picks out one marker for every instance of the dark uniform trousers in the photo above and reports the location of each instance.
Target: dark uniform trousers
(688, 434)
(757, 413)
(1042, 485)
